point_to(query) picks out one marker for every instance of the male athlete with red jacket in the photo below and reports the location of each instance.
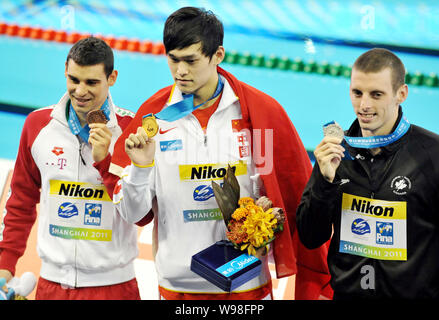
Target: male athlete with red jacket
(234, 124)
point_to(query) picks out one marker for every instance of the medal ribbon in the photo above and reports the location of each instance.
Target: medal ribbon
(379, 141)
(376, 141)
(75, 125)
(182, 108)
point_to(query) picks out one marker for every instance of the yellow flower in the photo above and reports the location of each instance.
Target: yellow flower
(259, 228)
(240, 213)
(251, 250)
(256, 226)
(252, 208)
(244, 201)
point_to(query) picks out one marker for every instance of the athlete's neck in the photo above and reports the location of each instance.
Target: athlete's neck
(206, 92)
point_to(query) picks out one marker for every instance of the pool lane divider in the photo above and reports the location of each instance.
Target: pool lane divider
(233, 57)
(118, 43)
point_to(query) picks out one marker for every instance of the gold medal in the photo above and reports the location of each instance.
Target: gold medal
(149, 124)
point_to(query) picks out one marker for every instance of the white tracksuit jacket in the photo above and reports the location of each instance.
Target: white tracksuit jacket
(82, 239)
(187, 218)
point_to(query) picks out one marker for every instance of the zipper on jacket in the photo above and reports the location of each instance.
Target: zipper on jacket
(75, 252)
(81, 145)
(205, 132)
(199, 126)
(80, 153)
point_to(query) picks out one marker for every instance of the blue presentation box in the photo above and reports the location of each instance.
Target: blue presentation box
(224, 266)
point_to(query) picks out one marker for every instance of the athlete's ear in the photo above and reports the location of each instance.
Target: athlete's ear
(219, 55)
(112, 78)
(402, 93)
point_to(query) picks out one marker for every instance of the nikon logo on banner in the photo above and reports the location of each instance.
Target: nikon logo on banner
(365, 206)
(79, 190)
(201, 172)
(374, 207)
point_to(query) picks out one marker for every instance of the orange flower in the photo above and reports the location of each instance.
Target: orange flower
(237, 233)
(245, 201)
(240, 214)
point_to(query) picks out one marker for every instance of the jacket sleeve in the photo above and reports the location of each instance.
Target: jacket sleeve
(314, 213)
(134, 193)
(20, 213)
(109, 179)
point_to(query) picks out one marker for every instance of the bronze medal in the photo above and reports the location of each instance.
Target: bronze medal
(96, 116)
(149, 124)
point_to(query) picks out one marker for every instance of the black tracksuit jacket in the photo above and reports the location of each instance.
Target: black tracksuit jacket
(415, 156)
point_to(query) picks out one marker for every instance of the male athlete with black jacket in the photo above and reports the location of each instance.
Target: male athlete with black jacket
(376, 193)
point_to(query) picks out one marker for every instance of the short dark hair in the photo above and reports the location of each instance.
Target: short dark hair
(190, 25)
(377, 59)
(92, 51)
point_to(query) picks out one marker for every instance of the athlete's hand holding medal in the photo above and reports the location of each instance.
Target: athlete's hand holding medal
(100, 134)
(330, 152)
(140, 146)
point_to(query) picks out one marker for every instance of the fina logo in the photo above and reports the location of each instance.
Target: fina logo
(384, 233)
(93, 213)
(203, 193)
(360, 227)
(67, 210)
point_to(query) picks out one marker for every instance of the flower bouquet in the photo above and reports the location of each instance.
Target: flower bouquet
(251, 225)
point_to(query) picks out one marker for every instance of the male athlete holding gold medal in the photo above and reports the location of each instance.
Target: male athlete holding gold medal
(185, 136)
(374, 191)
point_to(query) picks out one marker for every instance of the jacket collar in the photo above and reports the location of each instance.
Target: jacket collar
(228, 96)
